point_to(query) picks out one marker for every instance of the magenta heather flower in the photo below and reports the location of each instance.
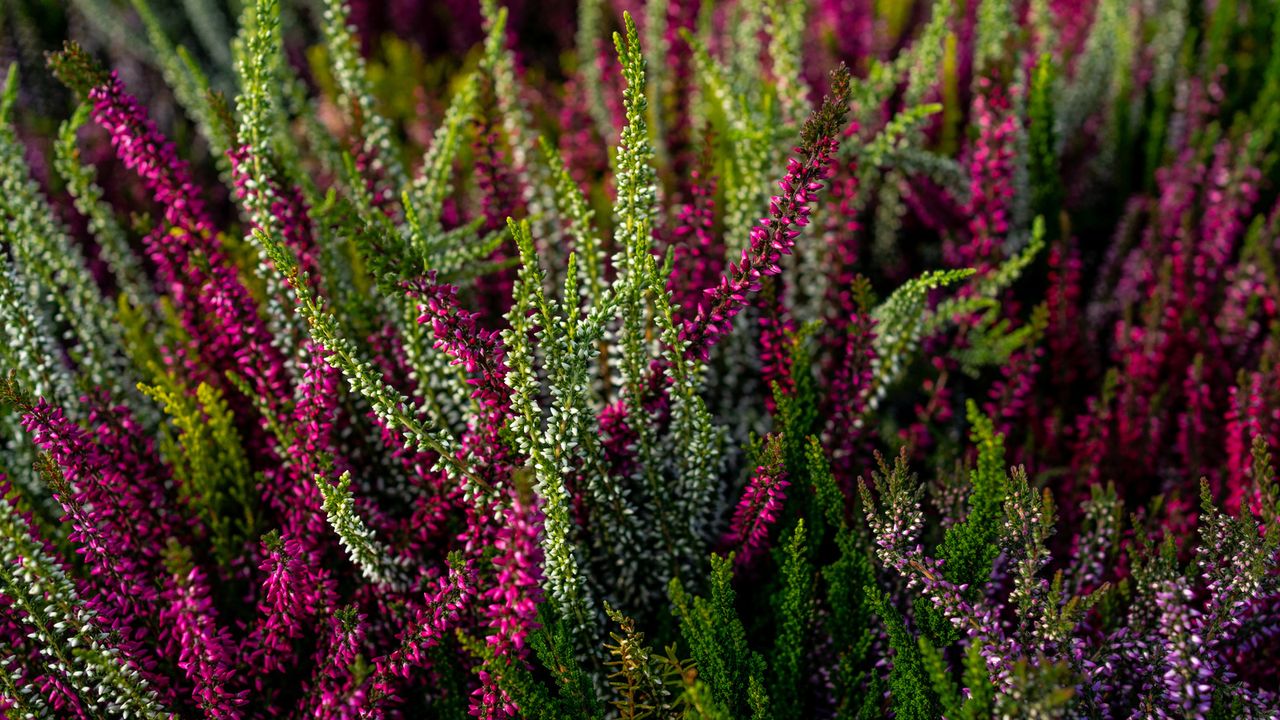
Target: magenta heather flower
(775, 235)
(217, 310)
(770, 239)
(481, 354)
(699, 257)
(438, 613)
(295, 593)
(990, 163)
(500, 199)
(112, 511)
(513, 597)
(332, 692)
(761, 503)
(288, 208)
(206, 652)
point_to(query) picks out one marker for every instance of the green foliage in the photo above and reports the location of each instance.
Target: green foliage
(944, 687)
(977, 681)
(795, 616)
(900, 322)
(1042, 155)
(637, 673)
(717, 639)
(553, 644)
(909, 684)
(970, 546)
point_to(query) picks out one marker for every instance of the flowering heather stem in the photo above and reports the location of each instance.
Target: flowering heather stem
(217, 309)
(776, 235)
(761, 503)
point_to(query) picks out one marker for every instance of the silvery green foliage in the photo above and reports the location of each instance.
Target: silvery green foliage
(1098, 69)
(900, 323)
(786, 51)
(391, 407)
(588, 40)
(588, 247)
(564, 579)
(57, 276)
(191, 86)
(995, 24)
(351, 76)
(261, 131)
(499, 63)
(433, 183)
(30, 346)
(927, 54)
(363, 548)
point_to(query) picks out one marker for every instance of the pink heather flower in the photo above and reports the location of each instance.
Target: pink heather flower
(288, 207)
(848, 390)
(512, 608)
(1193, 424)
(1233, 185)
(1011, 402)
(682, 16)
(1063, 335)
(294, 494)
(481, 353)
(142, 148)
(775, 235)
(110, 501)
(699, 257)
(760, 504)
(206, 651)
(618, 440)
(1246, 419)
(990, 161)
(499, 190)
(584, 153)
(772, 238)
(332, 692)
(516, 590)
(776, 327)
(294, 593)
(437, 614)
(841, 233)
(216, 308)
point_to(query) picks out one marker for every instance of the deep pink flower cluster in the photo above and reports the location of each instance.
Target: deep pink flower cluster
(761, 504)
(216, 308)
(772, 238)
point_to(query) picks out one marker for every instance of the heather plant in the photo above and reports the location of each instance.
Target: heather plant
(640, 360)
